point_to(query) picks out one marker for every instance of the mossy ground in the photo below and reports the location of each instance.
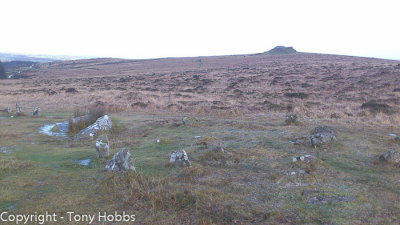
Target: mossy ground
(251, 186)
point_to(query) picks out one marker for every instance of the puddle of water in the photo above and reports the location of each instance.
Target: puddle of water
(5, 117)
(9, 150)
(393, 135)
(5, 150)
(62, 127)
(84, 162)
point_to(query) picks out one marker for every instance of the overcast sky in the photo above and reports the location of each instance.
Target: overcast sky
(168, 28)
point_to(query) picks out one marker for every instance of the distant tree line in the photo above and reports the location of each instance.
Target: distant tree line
(2, 71)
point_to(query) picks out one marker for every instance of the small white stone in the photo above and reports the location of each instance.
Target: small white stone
(294, 159)
(158, 140)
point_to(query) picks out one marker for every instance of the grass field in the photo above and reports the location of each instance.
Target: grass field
(346, 185)
(241, 102)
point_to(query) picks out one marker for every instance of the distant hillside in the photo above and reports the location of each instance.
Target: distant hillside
(13, 65)
(306, 82)
(6, 57)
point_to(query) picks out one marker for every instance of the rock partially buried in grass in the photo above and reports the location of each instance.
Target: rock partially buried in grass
(102, 124)
(318, 197)
(36, 112)
(392, 156)
(330, 199)
(322, 134)
(102, 146)
(179, 158)
(304, 158)
(307, 163)
(291, 119)
(300, 141)
(5, 150)
(121, 162)
(189, 120)
(7, 110)
(222, 150)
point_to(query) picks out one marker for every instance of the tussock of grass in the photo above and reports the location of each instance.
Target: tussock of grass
(87, 119)
(10, 165)
(138, 188)
(167, 195)
(20, 114)
(192, 174)
(55, 129)
(214, 158)
(206, 141)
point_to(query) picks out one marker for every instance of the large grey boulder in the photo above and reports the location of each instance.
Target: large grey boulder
(36, 112)
(179, 158)
(102, 124)
(322, 134)
(392, 156)
(102, 146)
(121, 162)
(18, 109)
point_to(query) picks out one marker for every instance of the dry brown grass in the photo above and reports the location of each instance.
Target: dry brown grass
(10, 165)
(313, 85)
(193, 204)
(88, 117)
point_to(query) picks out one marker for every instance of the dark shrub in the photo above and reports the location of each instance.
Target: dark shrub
(297, 95)
(375, 107)
(125, 79)
(71, 90)
(140, 104)
(2, 72)
(335, 116)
